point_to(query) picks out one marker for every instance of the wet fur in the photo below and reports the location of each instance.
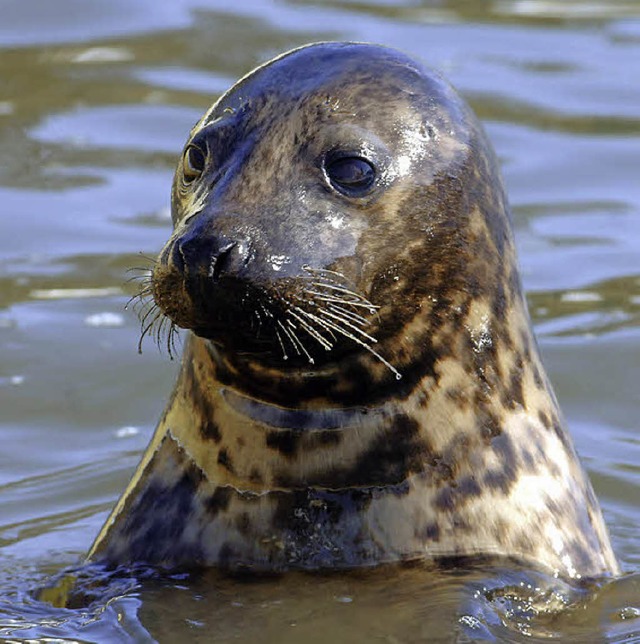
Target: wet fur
(426, 426)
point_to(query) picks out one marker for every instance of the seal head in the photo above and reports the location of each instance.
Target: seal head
(292, 206)
(360, 383)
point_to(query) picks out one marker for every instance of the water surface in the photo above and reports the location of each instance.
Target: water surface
(96, 99)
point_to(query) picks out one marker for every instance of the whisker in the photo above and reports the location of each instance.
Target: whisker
(148, 328)
(160, 330)
(175, 337)
(293, 329)
(322, 271)
(153, 308)
(140, 279)
(150, 258)
(170, 343)
(313, 317)
(363, 344)
(258, 319)
(141, 295)
(340, 289)
(314, 333)
(140, 269)
(357, 329)
(138, 298)
(288, 335)
(354, 317)
(323, 297)
(284, 353)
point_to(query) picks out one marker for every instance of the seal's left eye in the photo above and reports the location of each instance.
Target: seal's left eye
(193, 163)
(352, 176)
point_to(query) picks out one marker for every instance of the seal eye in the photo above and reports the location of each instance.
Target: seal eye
(193, 163)
(352, 176)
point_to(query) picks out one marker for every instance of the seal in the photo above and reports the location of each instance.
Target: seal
(360, 382)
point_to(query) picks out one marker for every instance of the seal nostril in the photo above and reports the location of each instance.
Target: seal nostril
(176, 258)
(221, 263)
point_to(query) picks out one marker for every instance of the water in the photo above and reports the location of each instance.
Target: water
(96, 100)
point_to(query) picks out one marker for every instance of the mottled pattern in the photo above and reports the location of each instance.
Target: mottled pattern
(437, 437)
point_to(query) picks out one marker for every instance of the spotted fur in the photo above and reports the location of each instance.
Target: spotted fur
(420, 422)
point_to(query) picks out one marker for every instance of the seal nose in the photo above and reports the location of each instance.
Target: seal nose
(211, 256)
(229, 260)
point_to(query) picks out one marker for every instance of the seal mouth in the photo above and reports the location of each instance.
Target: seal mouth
(294, 321)
(313, 319)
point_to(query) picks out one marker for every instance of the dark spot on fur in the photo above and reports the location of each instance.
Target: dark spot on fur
(255, 476)
(499, 480)
(243, 523)
(228, 556)
(486, 420)
(430, 532)
(505, 477)
(499, 303)
(225, 460)
(528, 460)
(219, 500)
(554, 469)
(503, 447)
(391, 457)
(468, 487)
(544, 419)
(559, 431)
(156, 523)
(515, 388)
(441, 471)
(459, 396)
(210, 430)
(323, 438)
(311, 519)
(445, 499)
(461, 525)
(455, 495)
(553, 506)
(514, 284)
(537, 378)
(285, 442)
(581, 555)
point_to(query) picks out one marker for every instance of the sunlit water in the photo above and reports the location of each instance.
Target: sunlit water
(96, 99)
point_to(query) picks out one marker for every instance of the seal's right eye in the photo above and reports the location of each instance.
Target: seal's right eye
(193, 163)
(352, 176)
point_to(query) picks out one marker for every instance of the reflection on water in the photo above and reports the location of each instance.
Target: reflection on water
(95, 102)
